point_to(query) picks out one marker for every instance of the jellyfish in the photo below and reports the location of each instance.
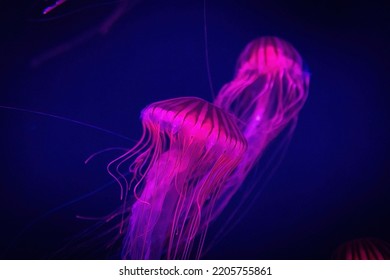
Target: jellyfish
(268, 91)
(363, 249)
(188, 150)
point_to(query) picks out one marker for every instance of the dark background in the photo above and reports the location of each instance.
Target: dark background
(332, 186)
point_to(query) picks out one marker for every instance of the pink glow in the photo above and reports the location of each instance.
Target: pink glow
(363, 249)
(188, 149)
(266, 95)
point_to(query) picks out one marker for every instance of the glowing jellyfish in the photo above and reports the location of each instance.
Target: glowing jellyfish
(268, 90)
(363, 249)
(188, 149)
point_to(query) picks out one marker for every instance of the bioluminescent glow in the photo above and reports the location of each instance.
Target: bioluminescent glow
(188, 150)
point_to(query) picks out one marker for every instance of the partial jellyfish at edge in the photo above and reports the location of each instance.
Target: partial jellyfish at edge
(363, 249)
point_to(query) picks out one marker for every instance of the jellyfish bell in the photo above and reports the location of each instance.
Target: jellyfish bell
(267, 93)
(188, 150)
(363, 249)
(270, 85)
(269, 54)
(196, 119)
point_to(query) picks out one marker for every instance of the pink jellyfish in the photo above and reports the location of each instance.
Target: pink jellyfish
(188, 150)
(268, 91)
(363, 249)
